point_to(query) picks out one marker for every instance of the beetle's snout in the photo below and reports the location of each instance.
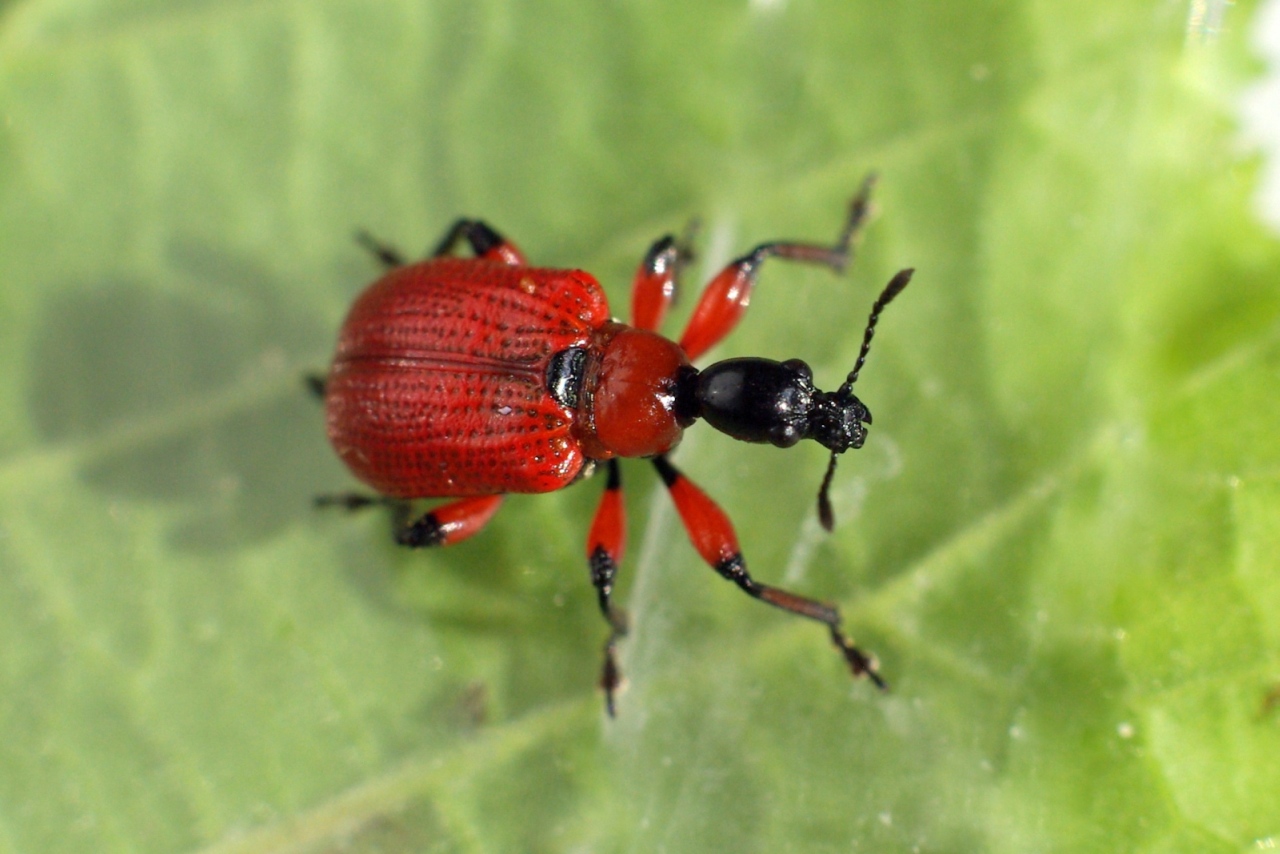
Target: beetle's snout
(838, 421)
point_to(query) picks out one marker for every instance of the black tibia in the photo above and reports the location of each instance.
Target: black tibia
(418, 533)
(836, 256)
(734, 569)
(407, 531)
(478, 235)
(354, 500)
(712, 534)
(386, 254)
(604, 569)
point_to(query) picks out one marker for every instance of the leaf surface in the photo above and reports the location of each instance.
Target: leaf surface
(1060, 539)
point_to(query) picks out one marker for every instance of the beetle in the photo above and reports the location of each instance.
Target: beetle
(470, 378)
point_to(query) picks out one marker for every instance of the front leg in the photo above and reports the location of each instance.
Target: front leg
(713, 536)
(654, 288)
(725, 299)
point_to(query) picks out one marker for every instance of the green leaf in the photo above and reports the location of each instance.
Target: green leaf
(1059, 541)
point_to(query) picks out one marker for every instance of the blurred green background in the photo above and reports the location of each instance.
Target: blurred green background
(1060, 539)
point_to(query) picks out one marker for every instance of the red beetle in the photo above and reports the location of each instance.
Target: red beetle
(470, 378)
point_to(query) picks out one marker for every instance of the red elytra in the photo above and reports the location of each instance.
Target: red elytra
(471, 378)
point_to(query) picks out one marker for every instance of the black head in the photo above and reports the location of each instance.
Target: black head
(760, 400)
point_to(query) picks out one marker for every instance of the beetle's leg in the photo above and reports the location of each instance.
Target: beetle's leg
(447, 524)
(654, 287)
(712, 535)
(316, 384)
(442, 526)
(725, 299)
(605, 544)
(356, 501)
(483, 240)
(387, 255)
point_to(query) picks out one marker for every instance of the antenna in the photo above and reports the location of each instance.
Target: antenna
(845, 393)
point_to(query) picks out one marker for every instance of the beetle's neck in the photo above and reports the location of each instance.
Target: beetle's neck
(687, 409)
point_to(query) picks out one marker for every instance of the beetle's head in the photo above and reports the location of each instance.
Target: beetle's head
(838, 420)
(760, 400)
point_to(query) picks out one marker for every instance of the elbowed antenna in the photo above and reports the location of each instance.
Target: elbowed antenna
(844, 395)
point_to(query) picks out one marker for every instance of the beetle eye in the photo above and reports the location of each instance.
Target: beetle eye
(785, 435)
(799, 367)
